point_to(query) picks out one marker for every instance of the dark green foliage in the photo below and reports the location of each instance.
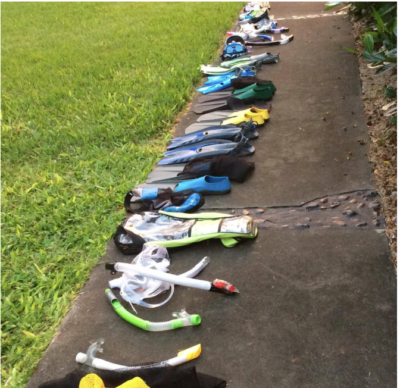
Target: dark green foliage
(380, 40)
(383, 35)
(390, 92)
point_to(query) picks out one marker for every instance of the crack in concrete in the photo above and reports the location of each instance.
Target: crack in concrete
(291, 206)
(359, 209)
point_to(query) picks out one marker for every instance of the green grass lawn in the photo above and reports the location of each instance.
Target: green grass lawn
(89, 95)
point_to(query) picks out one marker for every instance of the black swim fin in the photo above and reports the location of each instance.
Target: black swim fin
(160, 185)
(171, 177)
(231, 103)
(206, 107)
(214, 96)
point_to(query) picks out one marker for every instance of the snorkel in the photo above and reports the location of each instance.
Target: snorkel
(134, 288)
(220, 286)
(90, 358)
(182, 318)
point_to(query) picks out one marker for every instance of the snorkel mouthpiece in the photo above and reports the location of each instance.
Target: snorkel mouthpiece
(111, 267)
(223, 287)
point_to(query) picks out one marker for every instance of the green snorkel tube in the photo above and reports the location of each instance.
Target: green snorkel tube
(182, 318)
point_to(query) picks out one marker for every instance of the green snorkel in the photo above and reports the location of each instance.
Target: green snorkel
(182, 318)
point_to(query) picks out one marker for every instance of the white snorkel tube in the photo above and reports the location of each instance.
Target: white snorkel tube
(217, 285)
(91, 360)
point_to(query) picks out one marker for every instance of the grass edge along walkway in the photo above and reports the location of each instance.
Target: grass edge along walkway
(89, 94)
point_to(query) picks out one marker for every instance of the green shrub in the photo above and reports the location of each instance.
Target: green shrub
(380, 41)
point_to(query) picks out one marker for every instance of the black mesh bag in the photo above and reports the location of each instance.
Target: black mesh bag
(165, 377)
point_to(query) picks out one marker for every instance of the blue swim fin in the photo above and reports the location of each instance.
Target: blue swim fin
(241, 148)
(214, 133)
(215, 87)
(215, 79)
(223, 82)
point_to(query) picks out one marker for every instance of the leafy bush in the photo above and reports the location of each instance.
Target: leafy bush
(380, 41)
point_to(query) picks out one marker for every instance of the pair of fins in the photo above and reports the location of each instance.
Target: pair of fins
(228, 118)
(266, 86)
(253, 34)
(216, 83)
(260, 40)
(237, 100)
(262, 58)
(214, 134)
(258, 116)
(196, 151)
(219, 70)
(227, 101)
(244, 62)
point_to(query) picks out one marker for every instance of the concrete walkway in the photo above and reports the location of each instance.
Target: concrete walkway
(317, 306)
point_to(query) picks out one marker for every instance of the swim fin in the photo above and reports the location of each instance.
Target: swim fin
(202, 134)
(256, 91)
(243, 63)
(219, 116)
(225, 81)
(208, 127)
(215, 87)
(262, 25)
(254, 34)
(255, 118)
(258, 116)
(240, 83)
(262, 58)
(261, 40)
(211, 106)
(241, 148)
(198, 127)
(155, 185)
(232, 102)
(175, 168)
(214, 79)
(215, 96)
(214, 117)
(200, 143)
(167, 177)
(163, 175)
(212, 133)
(219, 70)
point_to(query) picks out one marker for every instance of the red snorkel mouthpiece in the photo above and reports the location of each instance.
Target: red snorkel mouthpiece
(223, 287)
